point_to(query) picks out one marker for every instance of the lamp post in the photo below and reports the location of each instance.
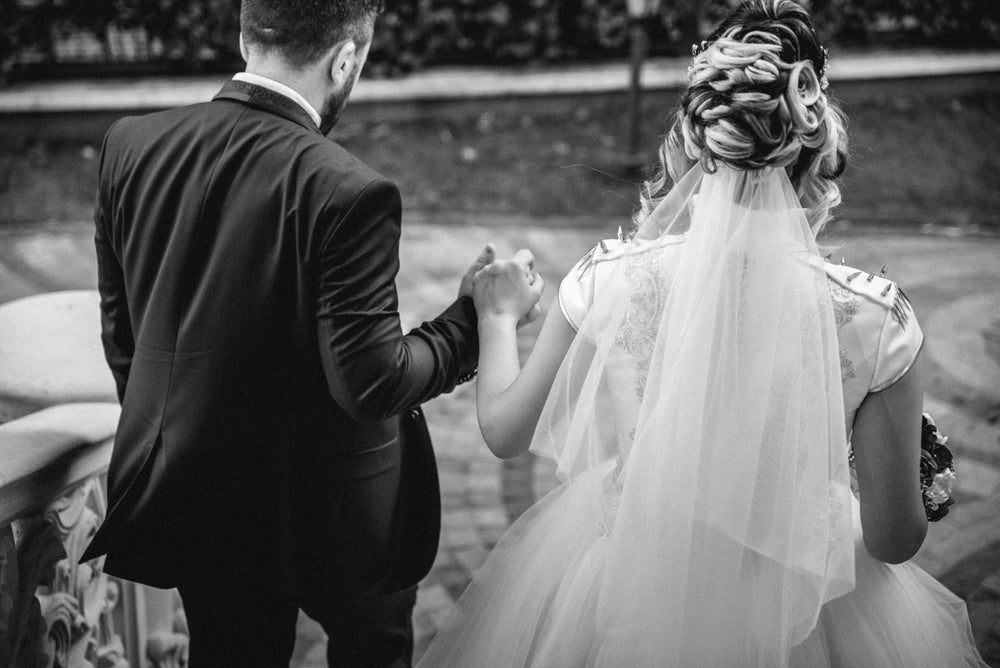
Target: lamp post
(639, 12)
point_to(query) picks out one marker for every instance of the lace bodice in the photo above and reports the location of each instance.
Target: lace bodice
(878, 333)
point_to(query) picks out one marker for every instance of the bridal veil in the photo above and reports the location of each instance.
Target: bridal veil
(729, 501)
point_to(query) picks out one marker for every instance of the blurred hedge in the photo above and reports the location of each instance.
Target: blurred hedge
(201, 34)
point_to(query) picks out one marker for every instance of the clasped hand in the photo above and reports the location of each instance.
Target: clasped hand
(504, 288)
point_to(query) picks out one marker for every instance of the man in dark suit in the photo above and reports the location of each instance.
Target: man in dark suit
(271, 453)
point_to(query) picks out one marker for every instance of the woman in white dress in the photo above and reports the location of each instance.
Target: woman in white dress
(699, 387)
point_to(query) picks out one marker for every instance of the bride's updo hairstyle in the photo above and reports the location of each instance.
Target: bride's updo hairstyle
(756, 99)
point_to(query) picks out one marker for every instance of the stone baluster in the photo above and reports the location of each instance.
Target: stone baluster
(55, 445)
(54, 611)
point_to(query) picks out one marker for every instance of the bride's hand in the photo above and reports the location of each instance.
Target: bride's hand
(509, 289)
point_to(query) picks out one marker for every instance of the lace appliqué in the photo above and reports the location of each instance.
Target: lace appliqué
(846, 367)
(822, 535)
(637, 331)
(611, 491)
(846, 305)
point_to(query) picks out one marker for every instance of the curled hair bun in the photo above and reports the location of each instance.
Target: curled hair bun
(756, 100)
(749, 108)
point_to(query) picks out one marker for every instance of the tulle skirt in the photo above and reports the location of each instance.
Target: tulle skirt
(536, 602)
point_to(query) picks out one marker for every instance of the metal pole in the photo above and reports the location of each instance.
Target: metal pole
(639, 47)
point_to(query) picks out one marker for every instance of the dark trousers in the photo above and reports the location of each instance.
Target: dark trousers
(242, 627)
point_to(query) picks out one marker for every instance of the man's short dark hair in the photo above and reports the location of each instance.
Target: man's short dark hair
(301, 30)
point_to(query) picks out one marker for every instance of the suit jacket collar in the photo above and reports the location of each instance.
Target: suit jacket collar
(266, 99)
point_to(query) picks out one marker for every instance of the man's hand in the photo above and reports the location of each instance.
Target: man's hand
(487, 256)
(509, 289)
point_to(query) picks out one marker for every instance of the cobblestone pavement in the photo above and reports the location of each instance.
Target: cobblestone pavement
(954, 283)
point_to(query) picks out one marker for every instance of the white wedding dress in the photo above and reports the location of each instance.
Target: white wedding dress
(706, 516)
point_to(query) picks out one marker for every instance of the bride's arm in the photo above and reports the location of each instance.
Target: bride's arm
(509, 399)
(886, 441)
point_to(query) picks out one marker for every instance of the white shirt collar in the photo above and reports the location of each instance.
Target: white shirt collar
(281, 88)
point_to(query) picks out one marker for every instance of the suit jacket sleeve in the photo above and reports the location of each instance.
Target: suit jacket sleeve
(372, 369)
(116, 323)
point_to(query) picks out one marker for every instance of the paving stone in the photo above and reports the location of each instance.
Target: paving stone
(452, 500)
(490, 537)
(484, 483)
(459, 537)
(472, 559)
(423, 624)
(439, 617)
(454, 580)
(452, 480)
(992, 584)
(484, 499)
(489, 518)
(975, 526)
(459, 518)
(975, 479)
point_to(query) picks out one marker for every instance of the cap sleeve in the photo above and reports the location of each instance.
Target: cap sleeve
(576, 292)
(899, 343)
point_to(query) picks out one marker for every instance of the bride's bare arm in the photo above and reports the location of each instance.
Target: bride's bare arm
(886, 441)
(510, 399)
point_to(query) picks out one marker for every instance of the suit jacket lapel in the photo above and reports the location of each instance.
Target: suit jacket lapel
(266, 99)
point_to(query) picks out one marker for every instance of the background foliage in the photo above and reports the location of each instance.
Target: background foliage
(201, 34)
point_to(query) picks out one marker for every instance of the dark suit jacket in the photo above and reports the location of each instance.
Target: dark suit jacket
(270, 402)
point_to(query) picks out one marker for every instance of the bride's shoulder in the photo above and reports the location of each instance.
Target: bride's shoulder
(595, 268)
(875, 322)
(576, 291)
(873, 287)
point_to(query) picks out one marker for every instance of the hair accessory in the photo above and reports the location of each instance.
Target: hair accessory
(824, 83)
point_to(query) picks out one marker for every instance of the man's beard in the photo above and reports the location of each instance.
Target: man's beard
(334, 105)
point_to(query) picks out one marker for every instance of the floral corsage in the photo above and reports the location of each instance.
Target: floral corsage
(937, 471)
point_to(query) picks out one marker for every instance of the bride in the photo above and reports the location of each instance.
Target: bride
(701, 387)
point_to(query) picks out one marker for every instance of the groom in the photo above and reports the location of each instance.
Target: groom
(271, 453)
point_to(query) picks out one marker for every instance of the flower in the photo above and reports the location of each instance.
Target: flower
(937, 471)
(940, 489)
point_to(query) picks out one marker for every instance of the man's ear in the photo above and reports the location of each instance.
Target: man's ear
(244, 51)
(342, 63)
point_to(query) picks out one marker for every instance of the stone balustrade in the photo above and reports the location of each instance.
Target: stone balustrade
(58, 416)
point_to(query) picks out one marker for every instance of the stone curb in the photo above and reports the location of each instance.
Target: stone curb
(458, 83)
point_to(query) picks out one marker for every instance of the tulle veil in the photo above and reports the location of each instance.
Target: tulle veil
(698, 428)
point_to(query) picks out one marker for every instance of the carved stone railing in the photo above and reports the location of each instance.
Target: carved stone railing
(57, 422)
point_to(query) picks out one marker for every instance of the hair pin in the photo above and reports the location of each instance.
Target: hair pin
(824, 83)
